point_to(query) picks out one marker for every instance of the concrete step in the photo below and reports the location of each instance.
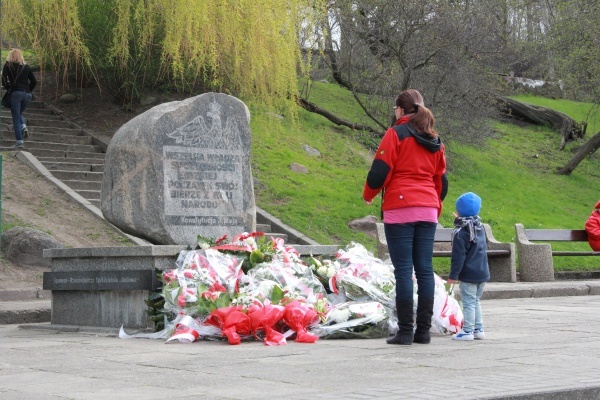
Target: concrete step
(83, 185)
(30, 111)
(77, 148)
(77, 175)
(266, 228)
(72, 160)
(95, 202)
(51, 121)
(48, 137)
(25, 312)
(34, 106)
(48, 129)
(37, 104)
(89, 194)
(56, 153)
(69, 166)
(277, 235)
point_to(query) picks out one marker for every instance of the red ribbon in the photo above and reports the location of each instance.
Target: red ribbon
(232, 321)
(298, 317)
(263, 318)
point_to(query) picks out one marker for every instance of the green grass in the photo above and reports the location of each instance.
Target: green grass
(513, 173)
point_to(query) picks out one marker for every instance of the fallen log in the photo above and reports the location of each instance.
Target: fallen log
(588, 148)
(569, 128)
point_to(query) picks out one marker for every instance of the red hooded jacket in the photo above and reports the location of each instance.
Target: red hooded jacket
(592, 227)
(411, 169)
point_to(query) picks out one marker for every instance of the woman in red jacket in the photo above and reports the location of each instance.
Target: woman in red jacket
(410, 169)
(592, 227)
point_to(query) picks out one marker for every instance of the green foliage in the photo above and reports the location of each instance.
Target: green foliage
(250, 49)
(52, 31)
(513, 172)
(156, 308)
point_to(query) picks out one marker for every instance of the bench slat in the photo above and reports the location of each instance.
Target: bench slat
(443, 235)
(576, 253)
(565, 235)
(490, 253)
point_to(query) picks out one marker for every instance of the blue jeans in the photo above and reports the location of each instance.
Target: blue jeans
(470, 294)
(18, 103)
(411, 245)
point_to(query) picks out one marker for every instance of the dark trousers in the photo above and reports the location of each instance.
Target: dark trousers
(412, 245)
(19, 100)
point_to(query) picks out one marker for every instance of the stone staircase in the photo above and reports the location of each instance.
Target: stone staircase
(76, 158)
(65, 149)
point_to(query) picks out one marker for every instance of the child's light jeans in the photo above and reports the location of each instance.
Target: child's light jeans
(470, 293)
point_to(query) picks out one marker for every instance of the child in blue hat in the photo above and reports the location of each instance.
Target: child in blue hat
(469, 264)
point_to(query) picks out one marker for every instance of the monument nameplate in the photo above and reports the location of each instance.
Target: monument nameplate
(101, 280)
(203, 187)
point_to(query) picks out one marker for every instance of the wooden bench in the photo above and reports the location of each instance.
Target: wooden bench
(501, 256)
(535, 259)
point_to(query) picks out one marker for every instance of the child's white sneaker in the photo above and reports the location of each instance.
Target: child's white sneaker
(462, 335)
(479, 334)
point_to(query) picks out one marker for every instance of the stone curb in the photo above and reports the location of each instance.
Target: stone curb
(18, 306)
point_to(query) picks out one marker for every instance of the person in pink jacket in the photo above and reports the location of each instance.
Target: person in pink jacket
(592, 227)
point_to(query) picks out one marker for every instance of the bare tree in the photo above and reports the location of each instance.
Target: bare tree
(446, 49)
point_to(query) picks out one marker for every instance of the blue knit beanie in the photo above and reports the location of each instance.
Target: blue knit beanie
(468, 205)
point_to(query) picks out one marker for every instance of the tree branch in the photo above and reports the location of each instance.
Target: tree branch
(333, 118)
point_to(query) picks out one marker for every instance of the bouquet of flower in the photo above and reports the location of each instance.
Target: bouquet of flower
(263, 317)
(324, 270)
(233, 322)
(299, 317)
(203, 281)
(363, 277)
(253, 248)
(354, 319)
(282, 282)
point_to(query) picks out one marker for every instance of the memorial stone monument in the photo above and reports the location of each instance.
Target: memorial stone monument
(180, 170)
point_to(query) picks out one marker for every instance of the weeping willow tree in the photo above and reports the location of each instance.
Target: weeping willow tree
(247, 48)
(51, 30)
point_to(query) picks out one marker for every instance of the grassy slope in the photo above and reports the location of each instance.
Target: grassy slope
(513, 173)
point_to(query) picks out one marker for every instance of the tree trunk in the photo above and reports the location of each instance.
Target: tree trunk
(568, 128)
(588, 148)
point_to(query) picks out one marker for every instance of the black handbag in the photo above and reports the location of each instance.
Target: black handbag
(6, 96)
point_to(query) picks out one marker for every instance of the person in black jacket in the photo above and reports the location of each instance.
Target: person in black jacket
(469, 264)
(17, 77)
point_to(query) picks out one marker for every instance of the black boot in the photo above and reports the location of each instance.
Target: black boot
(405, 333)
(424, 314)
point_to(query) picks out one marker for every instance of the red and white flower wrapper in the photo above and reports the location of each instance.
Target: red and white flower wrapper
(362, 275)
(296, 280)
(287, 254)
(201, 278)
(299, 317)
(447, 314)
(188, 330)
(232, 321)
(354, 319)
(262, 319)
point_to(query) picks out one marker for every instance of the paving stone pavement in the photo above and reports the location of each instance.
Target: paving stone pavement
(535, 348)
